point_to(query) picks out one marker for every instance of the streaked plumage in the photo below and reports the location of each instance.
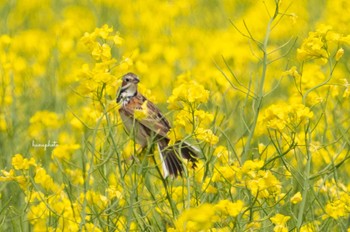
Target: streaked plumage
(153, 128)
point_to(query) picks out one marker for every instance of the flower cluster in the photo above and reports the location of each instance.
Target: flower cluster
(338, 198)
(282, 116)
(316, 46)
(189, 119)
(280, 221)
(100, 43)
(206, 215)
(266, 107)
(46, 199)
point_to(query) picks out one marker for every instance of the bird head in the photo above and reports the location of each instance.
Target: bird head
(129, 86)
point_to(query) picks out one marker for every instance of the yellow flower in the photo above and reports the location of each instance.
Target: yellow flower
(190, 120)
(141, 113)
(34, 197)
(103, 31)
(91, 227)
(206, 135)
(211, 189)
(339, 54)
(226, 173)
(345, 39)
(186, 94)
(178, 193)
(42, 178)
(202, 118)
(230, 208)
(5, 40)
(293, 72)
(253, 226)
(317, 44)
(3, 124)
(43, 121)
(222, 154)
(347, 88)
(252, 165)
(310, 227)
(113, 192)
(280, 221)
(184, 119)
(94, 198)
(22, 182)
(337, 209)
(20, 163)
(88, 40)
(118, 40)
(46, 118)
(103, 77)
(130, 149)
(197, 219)
(296, 198)
(64, 151)
(76, 176)
(314, 47)
(38, 213)
(101, 52)
(7, 175)
(281, 116)
(263, 184)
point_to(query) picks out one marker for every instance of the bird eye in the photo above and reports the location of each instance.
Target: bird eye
(127, 79)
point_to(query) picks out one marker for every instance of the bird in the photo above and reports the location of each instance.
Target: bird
(153, 128)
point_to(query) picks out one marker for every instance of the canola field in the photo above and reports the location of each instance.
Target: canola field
(260, 87)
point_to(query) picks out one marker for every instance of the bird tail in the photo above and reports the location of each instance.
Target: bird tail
(171, 157)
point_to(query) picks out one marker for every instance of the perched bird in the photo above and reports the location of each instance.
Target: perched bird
(152, 128)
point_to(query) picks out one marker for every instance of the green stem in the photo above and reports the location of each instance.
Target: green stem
(260, 93)
(331, 67)
(306, 186)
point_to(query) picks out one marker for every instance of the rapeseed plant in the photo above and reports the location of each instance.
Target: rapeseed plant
(260, 88)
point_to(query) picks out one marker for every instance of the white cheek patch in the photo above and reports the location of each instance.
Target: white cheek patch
(128, 91)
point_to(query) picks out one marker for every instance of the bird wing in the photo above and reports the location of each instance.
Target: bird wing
(154, 119)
